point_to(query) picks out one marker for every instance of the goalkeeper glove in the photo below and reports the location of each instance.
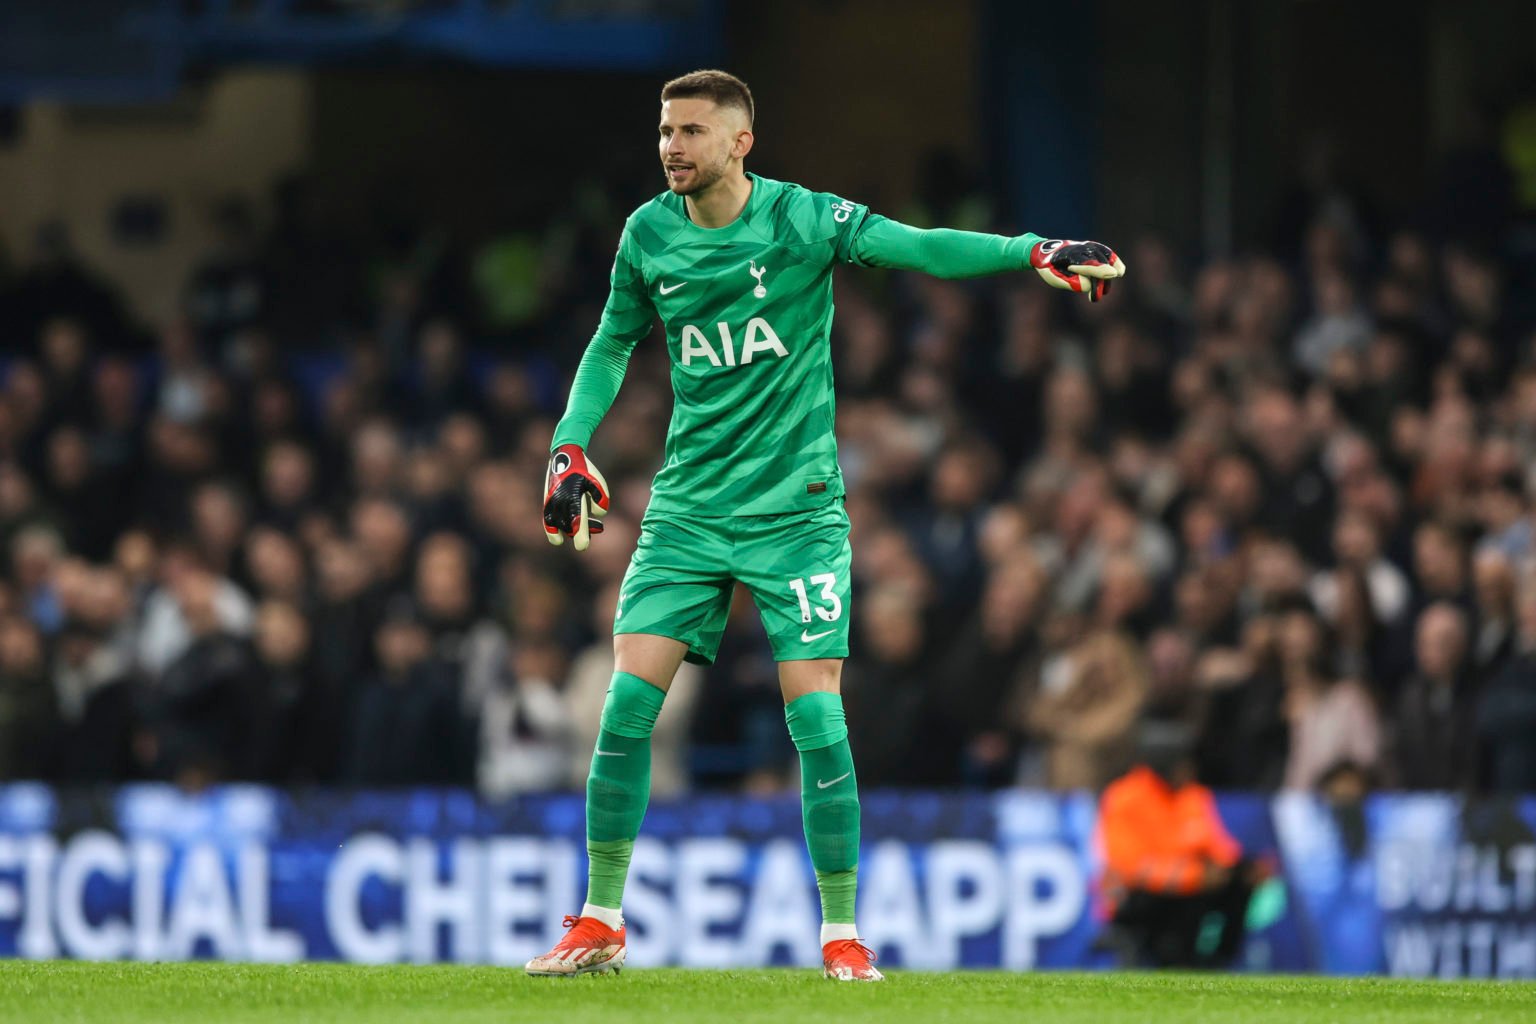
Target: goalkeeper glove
(575, 497)
(1077, 266)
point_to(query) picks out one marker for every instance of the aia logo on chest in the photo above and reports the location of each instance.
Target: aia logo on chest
(758, 337)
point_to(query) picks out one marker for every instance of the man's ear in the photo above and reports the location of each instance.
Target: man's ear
(742, 145)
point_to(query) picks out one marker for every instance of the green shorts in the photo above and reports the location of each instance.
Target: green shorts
(794, 564)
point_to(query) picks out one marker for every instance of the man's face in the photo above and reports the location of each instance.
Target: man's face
(1440, 642)
(697, 141)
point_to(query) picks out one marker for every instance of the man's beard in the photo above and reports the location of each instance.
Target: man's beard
(703, 178)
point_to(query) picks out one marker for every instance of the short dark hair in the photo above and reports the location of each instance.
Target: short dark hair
(721, 86)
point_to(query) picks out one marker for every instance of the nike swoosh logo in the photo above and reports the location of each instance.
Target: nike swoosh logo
(668, 291)
(607, 753)
(832, 782)
(806, 638)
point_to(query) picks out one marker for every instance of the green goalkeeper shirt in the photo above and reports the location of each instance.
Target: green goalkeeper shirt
(748, 315)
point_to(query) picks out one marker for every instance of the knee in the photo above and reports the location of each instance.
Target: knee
(816, 720)
(632, 706)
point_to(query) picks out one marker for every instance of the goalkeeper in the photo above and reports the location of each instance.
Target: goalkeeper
(739, 269)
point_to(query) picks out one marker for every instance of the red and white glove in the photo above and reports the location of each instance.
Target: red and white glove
(575, 497)
(1083, 267)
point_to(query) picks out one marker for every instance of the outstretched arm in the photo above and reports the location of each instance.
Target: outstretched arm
(944, 252)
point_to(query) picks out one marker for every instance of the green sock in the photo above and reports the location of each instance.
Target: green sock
(829, 800)
(619, 784)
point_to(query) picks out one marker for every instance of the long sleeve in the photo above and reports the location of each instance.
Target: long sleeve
(626, 319)
(942, 252)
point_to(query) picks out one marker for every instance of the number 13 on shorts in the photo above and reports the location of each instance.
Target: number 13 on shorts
(829, 607)
(798, 568)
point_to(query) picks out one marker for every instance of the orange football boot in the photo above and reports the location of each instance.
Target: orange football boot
(849, 960)
(589, 947)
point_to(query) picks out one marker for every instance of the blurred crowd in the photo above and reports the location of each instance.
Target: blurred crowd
(1284, 498)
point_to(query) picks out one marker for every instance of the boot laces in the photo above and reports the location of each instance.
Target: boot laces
(583, 931)
(852, 949)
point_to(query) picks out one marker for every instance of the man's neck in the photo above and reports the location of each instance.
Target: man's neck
(721, 203)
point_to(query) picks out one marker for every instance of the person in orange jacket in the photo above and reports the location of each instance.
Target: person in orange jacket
(1173, 874)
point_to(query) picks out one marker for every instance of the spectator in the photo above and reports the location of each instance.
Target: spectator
(1204, 606)
(445, 387)
(1357, 546)
(1338, 325)
(473, 648)
(199, 711)
(1127, 369)
(287, 485)
(983, 665)
(1506, 711)
(1433, 734)
(28, 718)
(294, 722)
(525, 725)
(65, 351)
(1332, 720)
(1246, 738)
(165, 634)
(1493, 589)
(219, 525)
(1117, 531)
(377, 459)
(1124, 598)
(383, 533)
(1359, 647)
(888, 693)
(90, 512)
(405, 723)
(1440, 566)
(116, 433)
(275, 565)
(94, 683)
(189, 387)
(347, 608)
(36, 553)
(1172, 691)
(1085, 707)
(947, 529)
(1298, 496)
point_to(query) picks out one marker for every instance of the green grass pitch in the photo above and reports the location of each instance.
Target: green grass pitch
(60, 993)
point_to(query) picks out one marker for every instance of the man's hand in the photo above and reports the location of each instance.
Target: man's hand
(1083, 267)
(575, 497)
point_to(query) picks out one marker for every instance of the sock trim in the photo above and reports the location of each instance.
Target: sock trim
(610, 916)
(833, 932)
